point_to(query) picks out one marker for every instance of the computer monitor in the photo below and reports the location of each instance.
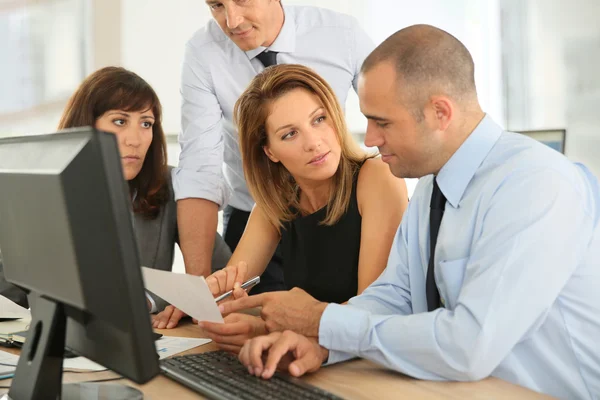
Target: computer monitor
(66, 235)
(554, 138)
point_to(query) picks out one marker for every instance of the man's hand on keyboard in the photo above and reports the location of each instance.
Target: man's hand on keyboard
(286, 351)
(236, 330)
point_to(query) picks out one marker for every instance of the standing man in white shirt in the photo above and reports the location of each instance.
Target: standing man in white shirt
(220, 60)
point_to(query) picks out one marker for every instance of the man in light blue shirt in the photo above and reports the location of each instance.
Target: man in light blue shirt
(517, 260)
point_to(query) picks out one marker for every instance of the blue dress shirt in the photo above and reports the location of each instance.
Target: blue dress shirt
(517, 265)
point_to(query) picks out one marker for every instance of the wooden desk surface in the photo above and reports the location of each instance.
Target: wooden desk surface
(358, 379)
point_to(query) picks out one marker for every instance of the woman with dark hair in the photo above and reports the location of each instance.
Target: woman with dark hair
(116, 100)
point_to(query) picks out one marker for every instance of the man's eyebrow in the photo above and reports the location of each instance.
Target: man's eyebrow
(375, 118)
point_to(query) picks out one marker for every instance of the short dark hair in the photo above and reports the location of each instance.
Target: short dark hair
(115, 88)
(428, 61)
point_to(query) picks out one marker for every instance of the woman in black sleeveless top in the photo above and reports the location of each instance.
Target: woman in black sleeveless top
(321, 259)
(333, 208)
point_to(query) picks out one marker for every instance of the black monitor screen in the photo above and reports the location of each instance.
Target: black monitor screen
(66, 235)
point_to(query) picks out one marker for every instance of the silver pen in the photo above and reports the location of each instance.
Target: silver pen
(246, 285)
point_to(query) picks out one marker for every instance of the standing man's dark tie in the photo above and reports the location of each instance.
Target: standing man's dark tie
(436, 212)
(267, 58)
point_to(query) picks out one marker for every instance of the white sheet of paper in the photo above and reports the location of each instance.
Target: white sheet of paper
(81, 363)
(189, 293)
(9, 309)
(166, 346)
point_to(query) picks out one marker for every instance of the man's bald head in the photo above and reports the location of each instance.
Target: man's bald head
(428, 61)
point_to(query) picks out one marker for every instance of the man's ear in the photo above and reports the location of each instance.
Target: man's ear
(269, 154)
(443, 109)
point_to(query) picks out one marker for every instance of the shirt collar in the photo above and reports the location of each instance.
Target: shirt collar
(285, 42)
(455, 175)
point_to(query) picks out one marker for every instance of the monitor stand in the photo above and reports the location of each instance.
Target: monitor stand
(39, 370)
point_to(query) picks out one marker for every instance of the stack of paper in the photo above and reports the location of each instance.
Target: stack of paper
(9, 328)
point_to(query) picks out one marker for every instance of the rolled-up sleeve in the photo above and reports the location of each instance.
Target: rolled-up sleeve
(200, 170)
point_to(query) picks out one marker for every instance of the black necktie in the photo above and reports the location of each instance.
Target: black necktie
(436, 212)
(267, 58)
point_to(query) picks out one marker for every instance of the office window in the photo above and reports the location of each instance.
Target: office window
(42, 57)
(551, 59)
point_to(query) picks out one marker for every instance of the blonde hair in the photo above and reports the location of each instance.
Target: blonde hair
(271, 185)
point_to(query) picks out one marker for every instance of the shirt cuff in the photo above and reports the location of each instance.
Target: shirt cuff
(153, 308)
(340, 330)
(337, 357)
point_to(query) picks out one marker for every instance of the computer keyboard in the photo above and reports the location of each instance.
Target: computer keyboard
(219, 375)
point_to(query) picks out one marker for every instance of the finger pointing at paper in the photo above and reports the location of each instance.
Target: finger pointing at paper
(294, 310)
